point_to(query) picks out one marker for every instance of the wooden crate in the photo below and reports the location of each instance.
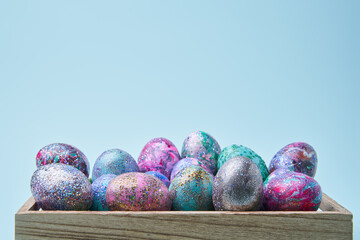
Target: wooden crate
(332, 222)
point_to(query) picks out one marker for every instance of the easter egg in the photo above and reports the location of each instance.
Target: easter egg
(160, 176)
(298, 157)
(136, 191)
(186, 162)
(191, 190)
(160, 155)
(291, 191)
(240, 150)
(99, 187)
(114, 161)
(63, 153)
(61, 187)
(238, 186)
(202, 146)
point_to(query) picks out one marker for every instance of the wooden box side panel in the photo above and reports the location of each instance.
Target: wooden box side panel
(183, 225)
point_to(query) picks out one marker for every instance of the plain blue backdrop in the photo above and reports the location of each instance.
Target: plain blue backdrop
(106, 74)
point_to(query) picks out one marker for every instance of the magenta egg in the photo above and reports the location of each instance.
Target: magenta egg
(285, 190)
(160, 155)
(136, 191)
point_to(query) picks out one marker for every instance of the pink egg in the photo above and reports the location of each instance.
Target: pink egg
(160, 155)
(137, 192)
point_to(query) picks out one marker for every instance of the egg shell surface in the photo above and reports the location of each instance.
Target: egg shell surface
(204, 147)
(63, 153)
(136, 191)
(298, 157)
(186, 162)
(238, 186)
(160, 155)
(191, 190)
(285, 190)
(114, 161)
(99, 187)
(60, 186)
(160, 176)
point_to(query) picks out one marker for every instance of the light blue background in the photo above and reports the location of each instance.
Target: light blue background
(105, 74)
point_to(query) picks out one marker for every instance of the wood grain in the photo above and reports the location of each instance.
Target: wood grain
(334, 222)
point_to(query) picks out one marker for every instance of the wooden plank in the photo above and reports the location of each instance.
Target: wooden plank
(329, 204)
(333, 223)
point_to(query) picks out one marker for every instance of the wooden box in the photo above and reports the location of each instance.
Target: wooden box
(331, 222)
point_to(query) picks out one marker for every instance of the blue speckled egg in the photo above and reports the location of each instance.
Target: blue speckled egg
(191, 190)
(59, 186)
(114, 161)
(99, 187)
(160, 176)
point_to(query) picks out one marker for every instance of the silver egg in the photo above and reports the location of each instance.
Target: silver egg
(238, 186)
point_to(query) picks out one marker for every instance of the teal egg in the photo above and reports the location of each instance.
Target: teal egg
(242, 151)
(191, 190)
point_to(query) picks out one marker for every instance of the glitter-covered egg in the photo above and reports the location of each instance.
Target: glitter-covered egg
(63, 153)
(160, 155)
(191, 190)
(186, 162)
(61, 187)
(99, 187)
(298, 157)
(238, 186)
(160, 176)
(137, 192)
(285, 190)
(202, 146)
(114, 161)
(240, 150)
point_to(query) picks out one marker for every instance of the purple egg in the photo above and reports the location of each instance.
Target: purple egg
(186, 162)
(291, 191)
(137, 192)
(160, 155)
(63, 153)
(204, 147)
(297, 157)
(160, 176)
(59, 186)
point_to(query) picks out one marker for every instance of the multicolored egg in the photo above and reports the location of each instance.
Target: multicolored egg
(137, 192)
(160, 155)
(63, 153)
(202, 146)
(114, 161)
(160, 176)
(99, 187)
(191, 190)
(61, 187)
(240, 150)
(186, 162)
(238, 186)
(291, 191)
(298, 157)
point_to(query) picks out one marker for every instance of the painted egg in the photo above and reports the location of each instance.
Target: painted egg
(114, 161)
(191, 190)
(160, 155)
(63, 153)
(137, 192)
(291, 191)
(186, 162)
(99, 187)
(160, 176)
(61, 187)
(204, 147)
(298, 157)
(238, 186)
(240, 150)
